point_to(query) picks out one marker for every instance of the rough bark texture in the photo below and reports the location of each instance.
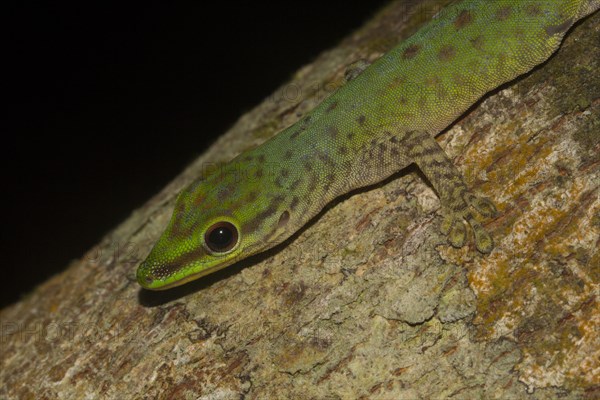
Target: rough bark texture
(368, 301)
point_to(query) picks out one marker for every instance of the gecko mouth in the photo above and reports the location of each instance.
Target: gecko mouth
(148, 281)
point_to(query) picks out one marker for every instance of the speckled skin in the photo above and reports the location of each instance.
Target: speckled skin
(378, 123)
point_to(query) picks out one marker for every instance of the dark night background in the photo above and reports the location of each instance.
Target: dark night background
(106, 103)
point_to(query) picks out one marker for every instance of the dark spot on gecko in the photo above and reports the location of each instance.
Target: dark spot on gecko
(501, 63)
(198, 200)
(533, 10)
(350, 135)
(181, 261)
(347, 167)
(402, 100)
(325, 158)
(343, 150)
(251, 226)
(520, 33)
(446, 53)
(428, 151)
(330, 179)
(459, 80)
(312, 184)
(559, 29)
(288, 154)
(463, 19)
(397, 82)
(283, 175)
(295, 184)
(503, 13)
(394, 151)
(332, 131)
(283, 219)
(361, 120)
(305, 123)
(393, 139)
(477, 42)
(179, 210)
(259, 218)
(261, 158)
(412, 136)
(239, 200)
(252, 196)
(307, 167)
(382, 148)
(248, 157)
(332, 106)
(411, 51)
(224, 193)
(441, 92)
(294, 203)
(433, 81)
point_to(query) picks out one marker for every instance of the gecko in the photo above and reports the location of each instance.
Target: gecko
(384, 118)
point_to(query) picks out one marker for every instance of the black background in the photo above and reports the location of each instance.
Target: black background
(106, 103)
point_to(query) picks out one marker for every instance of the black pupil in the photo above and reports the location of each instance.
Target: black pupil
(220, 238)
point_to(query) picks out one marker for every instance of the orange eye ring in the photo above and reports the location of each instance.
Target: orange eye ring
(221, 237)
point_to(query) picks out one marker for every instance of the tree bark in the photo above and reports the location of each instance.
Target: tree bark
(368, 300)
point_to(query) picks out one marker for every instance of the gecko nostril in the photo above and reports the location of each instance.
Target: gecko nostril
(145, 279)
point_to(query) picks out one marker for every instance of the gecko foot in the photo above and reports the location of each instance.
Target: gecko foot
(454, 227)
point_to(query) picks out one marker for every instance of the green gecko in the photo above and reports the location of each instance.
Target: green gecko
(379, 122)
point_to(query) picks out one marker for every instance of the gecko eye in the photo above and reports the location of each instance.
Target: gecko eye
(221, 237)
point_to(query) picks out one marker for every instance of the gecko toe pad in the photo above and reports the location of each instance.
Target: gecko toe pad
(482, 205)
(483, 240)
(455, 229)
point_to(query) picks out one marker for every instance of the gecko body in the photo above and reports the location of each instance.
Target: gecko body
(381, 121)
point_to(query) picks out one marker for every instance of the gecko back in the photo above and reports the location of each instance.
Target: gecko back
(378, 123)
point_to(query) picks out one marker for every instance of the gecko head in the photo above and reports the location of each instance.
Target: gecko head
(216, 222)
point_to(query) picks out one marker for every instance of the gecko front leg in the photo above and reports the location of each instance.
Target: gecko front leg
(456, 198)
(401, 148)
